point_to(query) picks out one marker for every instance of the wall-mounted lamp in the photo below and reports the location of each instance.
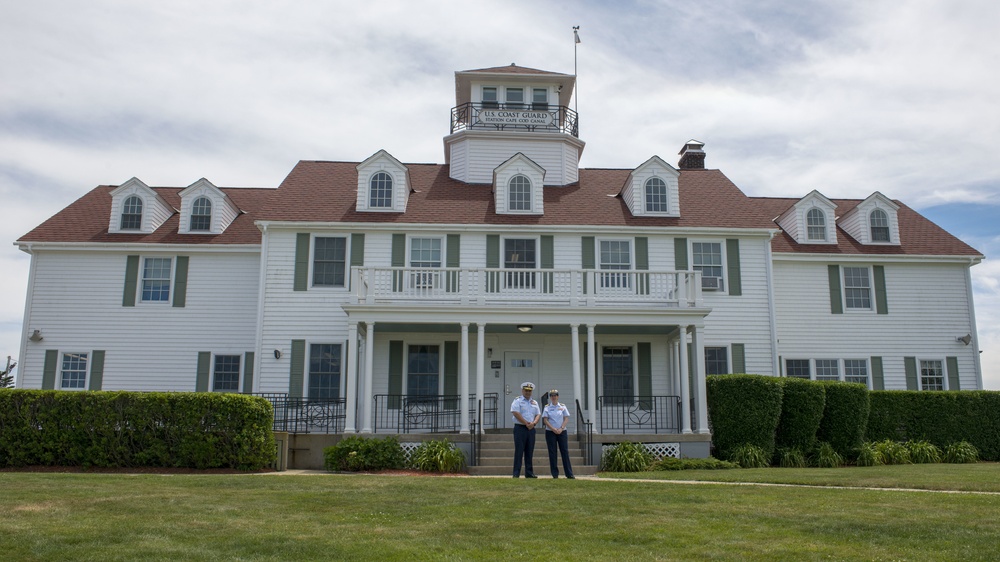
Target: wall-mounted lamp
(524, 328)
(36, 336)
(277, 354)
(966, 339)
(489, 352)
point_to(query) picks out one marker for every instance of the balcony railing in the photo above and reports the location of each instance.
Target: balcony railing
(495, 286)
(639, 414)
(430, 414)
(306, 415)
(514, 117)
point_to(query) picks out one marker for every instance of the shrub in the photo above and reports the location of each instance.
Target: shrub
(132, 429)
(750, 456)
(626, 457)
(961, 452)
(801, 413)
(922, 452)
(893, 452)
(356, 453)
(870, 455)
(437, 456)
(845, 416)
(745, 409)
(710, 463)
(825, 456)
(792, 458)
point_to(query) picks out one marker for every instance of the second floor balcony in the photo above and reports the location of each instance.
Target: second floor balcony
(548, 287)
(495, 116)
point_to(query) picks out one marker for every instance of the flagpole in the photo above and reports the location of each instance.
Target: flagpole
(576, 90)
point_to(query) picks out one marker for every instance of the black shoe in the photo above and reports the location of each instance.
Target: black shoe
(516, 476)
(556, 476)
(530, 476)
(571, 477)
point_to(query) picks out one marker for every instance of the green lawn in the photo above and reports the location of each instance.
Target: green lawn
(344, 517)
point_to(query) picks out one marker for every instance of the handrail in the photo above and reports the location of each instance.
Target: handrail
(478, 435)
(585, 432)
(515, 117)
(642, 414)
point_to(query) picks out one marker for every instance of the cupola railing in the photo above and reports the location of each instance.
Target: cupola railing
(495, 116)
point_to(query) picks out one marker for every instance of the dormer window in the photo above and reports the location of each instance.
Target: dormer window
(132, 213)
(201, 215)
(816, 225)
(656, 196)
(879, 222)
(519, 193)
(380, 191)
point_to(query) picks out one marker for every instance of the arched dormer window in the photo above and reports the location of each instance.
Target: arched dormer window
(380, 191)
(519, 193)
(132, 213)
(815, 225)
(656, 196)
(879, 222)
(201, 215)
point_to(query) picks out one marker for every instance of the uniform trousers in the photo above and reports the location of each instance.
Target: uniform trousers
(524, 446)
(552, 441)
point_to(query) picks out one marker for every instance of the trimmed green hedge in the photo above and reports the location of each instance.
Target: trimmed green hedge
(845, 416)
(745, 409)
(801, 413)
(942, 418)
(132, 429)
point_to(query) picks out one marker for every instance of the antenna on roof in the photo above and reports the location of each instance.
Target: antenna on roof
(576, 91)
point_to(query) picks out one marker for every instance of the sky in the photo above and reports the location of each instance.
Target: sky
(843, 97)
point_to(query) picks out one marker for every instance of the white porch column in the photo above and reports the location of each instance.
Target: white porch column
(480, 366)
(351, 378)
(591, 373)
(366, 396)
(577, 381)
(463, 381)
(682, 355)
(698, 362)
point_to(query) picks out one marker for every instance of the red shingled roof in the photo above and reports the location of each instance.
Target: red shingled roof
(514, 69)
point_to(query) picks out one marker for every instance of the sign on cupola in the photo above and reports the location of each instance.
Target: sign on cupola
(514, 117)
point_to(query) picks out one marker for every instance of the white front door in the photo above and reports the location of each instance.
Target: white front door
(518, 367)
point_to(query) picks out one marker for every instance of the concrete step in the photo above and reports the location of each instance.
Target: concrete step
(540, 471)
(509, 460)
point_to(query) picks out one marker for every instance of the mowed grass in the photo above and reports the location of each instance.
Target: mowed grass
(358, 517)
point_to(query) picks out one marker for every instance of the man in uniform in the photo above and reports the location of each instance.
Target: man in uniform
(526, 415)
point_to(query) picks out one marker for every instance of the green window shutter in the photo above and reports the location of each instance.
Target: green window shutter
(739, 358)
(301, 282)
(547, 261)
(357, 249)
(587, 257)
(642, 264)
(451, 373)
(181, 282)
(204, 371)
(881, 304)
(96, 370)
(398, 259)
(953, 382)
(492, 261)
(878, 378)
(248, 358)
(681, 254)
(297, 369)
(781, 367)
(453, 258)
(836, 303)
(910, 364)
(395, 373)
(131, 280)
(733, 266)
(49, 369)
(645, 372)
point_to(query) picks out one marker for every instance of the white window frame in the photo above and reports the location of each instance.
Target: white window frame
(503, 261)
(531, 195)
(142, 280)
(868, 370)
(347, 261)
(723, 265)
(871, 227)
(822, 214)
(535, 103)
(666, 196)
(392, 191)
(814, 369)
(491, 104)
(424, 280)
(944, 372)
(871, 289)
(600, 347)
(239, 372)
(506, 95)
(142, 213)
(406, 365)
(609, 274)
(211, 211)
(727, 351)
(343, 366)
(812, 372)
(86, 370)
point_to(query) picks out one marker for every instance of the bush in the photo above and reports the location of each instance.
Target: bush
(870, 455)
(961, 452)
(745, 409)
(133, 429)
(923, 452)
(710, 463)
(626, 457)
(845, 416)
(941, 418)
(893, 452)
(825, 456)
(356, 453)
(802, 407)
(750, 456)
(792, 458)
(437, 456)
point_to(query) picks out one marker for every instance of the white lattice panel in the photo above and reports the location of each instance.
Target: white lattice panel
(408, 449)
(658, 450)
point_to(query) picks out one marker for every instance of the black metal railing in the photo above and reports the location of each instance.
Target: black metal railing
(306, 415)
(514, 117)
(428, 414)
(640, 414)
(585, 434)
(477, 434)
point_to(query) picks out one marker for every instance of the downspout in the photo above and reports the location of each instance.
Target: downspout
(775, 368)
(26, 320)
(260, 309)
(972, 328)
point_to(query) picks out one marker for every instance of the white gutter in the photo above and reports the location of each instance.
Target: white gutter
(775, 366)
(137, 247)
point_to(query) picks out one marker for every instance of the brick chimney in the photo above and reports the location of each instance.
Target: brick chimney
(692, 156)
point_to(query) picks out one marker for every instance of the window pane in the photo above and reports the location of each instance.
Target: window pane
(615, 254)
(515, 96)
(827, 370)
(857, 288)
(324, 370)
(716, 361)
(816, 225)
(201, 214)
(519, 194)
(880, 226)
(156, 279)
(329, 261)
(706, 257)
(656, 196)
(618, 382)
(380, 191)
(489, 93)
(425, 252)
(132, 214)
(422, 370)
(931, 375)
(519, 253)
(856, 370)
(227, 373)
(798, 368)
(74, 370)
